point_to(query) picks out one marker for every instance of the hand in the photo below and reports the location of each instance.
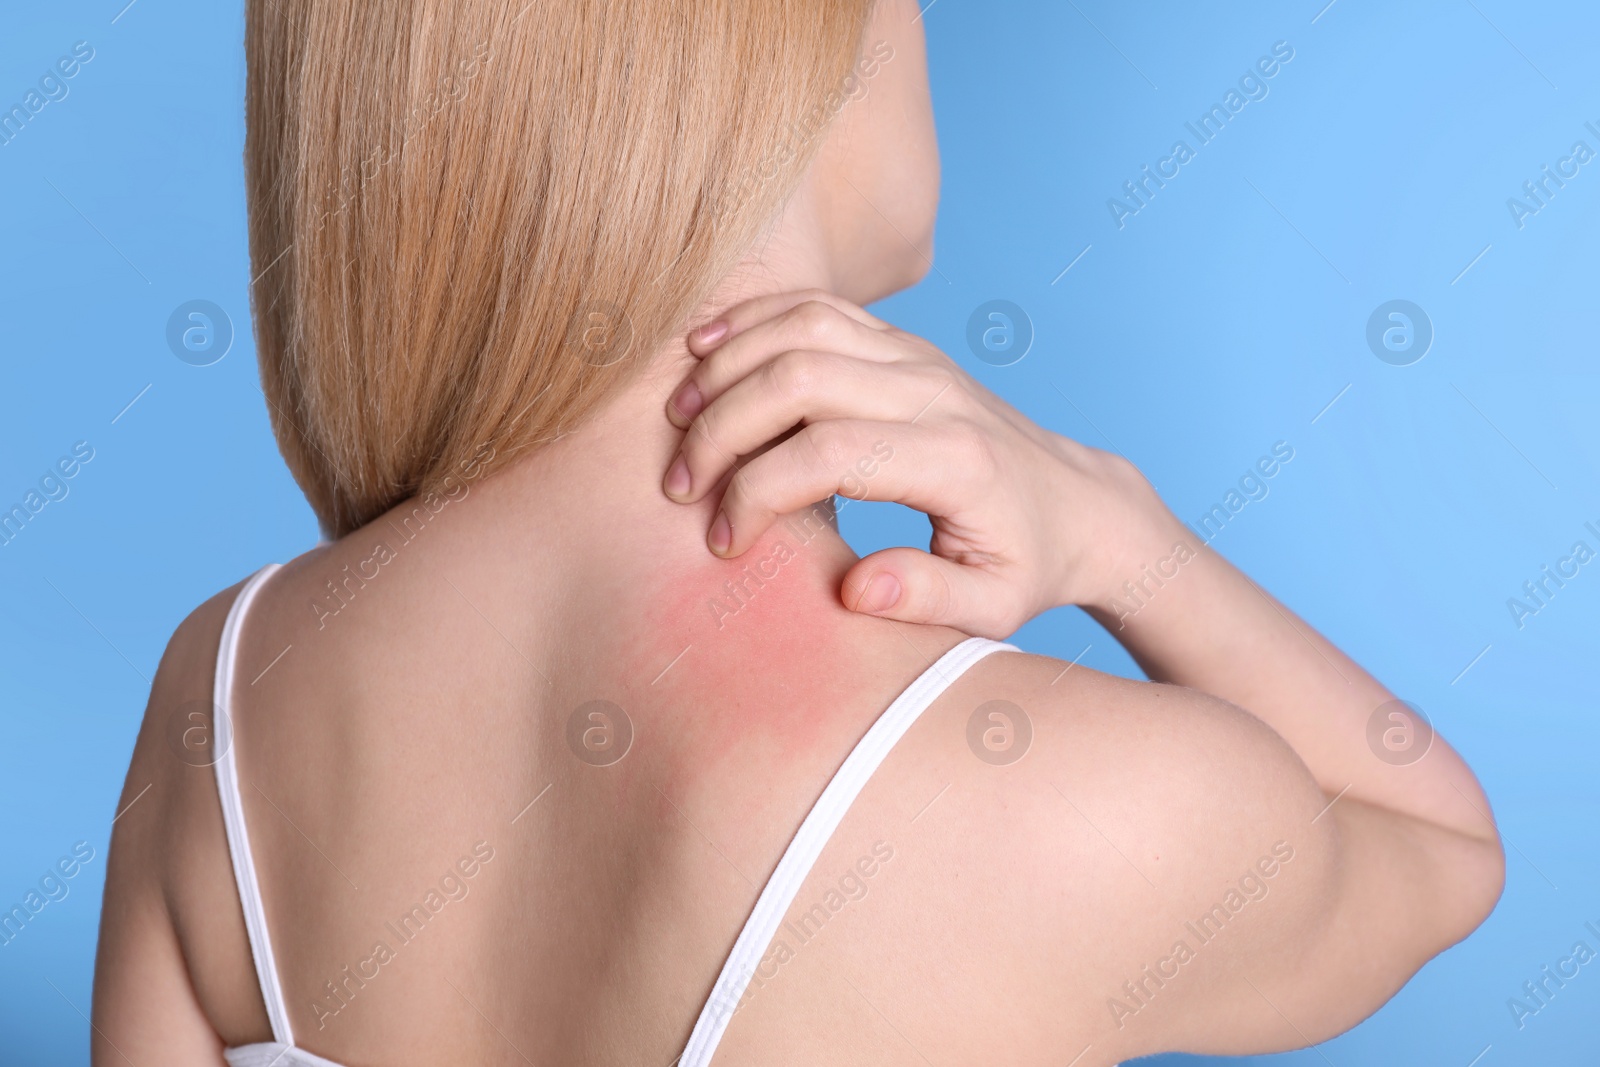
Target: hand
(1024, 520)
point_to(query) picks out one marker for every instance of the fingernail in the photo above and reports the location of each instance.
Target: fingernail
(881, 593)
(677, 483)
(721, 534)
(711, 332)
(688, 402)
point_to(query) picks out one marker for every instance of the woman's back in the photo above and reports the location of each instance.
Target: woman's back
(417, 715)
(400, 723)
(395, 724)
(513, 787)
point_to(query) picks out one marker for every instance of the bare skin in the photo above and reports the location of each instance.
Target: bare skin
(1010, 908)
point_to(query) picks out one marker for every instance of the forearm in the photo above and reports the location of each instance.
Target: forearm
(1209, 627)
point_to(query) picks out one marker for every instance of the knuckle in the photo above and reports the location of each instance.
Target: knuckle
(745, 494)
(972, 451)
(705, 424)
(737, 494)
(814, 320)
(694, 453)
(947, 384)
(937, 596)
(701, 440)
(946, 390)
(793, 375)
(828, 444)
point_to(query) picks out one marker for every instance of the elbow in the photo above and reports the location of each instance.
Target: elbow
(1490, 882)
(1479, 871)
(1476, 877)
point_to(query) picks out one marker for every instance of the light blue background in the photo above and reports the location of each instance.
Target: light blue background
(1223, 317)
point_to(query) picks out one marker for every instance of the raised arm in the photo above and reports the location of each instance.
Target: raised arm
(1211, 628)
(1394, 824)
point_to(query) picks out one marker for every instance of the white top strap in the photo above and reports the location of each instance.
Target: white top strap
(814, 832)
(244, 867)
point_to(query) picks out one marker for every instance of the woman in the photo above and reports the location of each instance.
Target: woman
(585, 739)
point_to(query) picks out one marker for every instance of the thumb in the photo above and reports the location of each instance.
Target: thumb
(913, 586)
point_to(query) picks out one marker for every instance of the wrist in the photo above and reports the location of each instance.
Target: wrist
(1140, 544)
(1143, 571)
(1116, 542)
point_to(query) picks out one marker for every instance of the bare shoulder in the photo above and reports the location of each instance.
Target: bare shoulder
(1186, 776)
(175, 733)
(171, 908)
(1096, 855)
(1133, 868)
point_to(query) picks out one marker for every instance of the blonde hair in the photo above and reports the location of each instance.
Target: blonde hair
(472, 220)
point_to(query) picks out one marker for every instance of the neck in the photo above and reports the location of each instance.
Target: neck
(593, 497)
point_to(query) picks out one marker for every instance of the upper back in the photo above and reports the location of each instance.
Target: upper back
(495, 820)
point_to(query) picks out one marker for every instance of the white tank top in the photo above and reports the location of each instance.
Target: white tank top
(753, 940)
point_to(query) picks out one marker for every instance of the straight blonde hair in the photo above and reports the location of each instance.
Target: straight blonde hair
(472, 220)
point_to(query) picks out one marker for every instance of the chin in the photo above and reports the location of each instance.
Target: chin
(908, 266)
(919, 263)
(907, 255)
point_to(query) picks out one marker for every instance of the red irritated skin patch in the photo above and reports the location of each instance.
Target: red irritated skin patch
(757, 643)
